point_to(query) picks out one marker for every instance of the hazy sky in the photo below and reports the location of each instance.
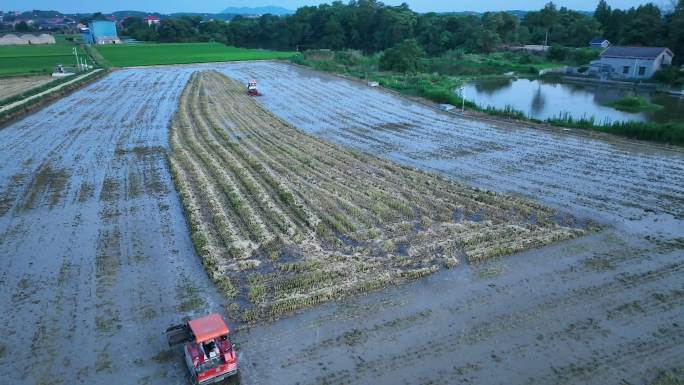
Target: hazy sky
(211, 6)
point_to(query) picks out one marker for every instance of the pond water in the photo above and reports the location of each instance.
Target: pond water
(542, 99)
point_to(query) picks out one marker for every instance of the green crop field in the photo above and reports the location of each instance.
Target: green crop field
(18, 60)
(181, 53)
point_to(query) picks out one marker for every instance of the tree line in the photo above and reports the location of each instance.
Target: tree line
(371, 26)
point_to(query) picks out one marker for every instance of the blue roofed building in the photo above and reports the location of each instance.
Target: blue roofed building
(101, 32)
(599, 43)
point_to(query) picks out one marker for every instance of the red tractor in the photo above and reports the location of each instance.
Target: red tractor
(252, 88)
(208, 352)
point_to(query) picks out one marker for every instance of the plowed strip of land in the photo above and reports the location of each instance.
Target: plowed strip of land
(13, 86)
(284, 220)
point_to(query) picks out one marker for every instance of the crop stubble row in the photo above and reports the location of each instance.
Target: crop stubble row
(283, 220)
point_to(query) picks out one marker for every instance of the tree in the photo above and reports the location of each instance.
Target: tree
(404, 57)
(675, 32)
(484, 40)
(644, 26)
(602, 14)
(22, 26)
(177, 30)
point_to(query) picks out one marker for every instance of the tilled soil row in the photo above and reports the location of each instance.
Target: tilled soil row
(284, 221)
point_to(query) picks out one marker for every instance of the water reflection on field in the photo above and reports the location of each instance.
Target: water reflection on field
(543, 99)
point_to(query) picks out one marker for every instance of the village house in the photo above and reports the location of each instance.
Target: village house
(599, 43)
(634, 62)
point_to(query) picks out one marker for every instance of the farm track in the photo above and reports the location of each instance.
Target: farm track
(600, 309)
(286, 221)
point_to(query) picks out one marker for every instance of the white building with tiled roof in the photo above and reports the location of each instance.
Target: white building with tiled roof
(635, 62)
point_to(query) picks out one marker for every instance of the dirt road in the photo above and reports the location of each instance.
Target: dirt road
(96, 259)
(597, 310)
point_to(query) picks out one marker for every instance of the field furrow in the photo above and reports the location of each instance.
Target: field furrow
(321, 222)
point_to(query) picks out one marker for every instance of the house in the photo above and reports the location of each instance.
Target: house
(599, 43)
(634, 62)
(151, 20)
(101, 32)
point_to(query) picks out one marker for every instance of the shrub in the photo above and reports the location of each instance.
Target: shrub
(557, 52)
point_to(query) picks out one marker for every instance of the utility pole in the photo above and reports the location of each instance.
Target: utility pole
(78, 64)
(463, 99)
(546, 40)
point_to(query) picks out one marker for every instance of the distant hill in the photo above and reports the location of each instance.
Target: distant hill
(279, 11)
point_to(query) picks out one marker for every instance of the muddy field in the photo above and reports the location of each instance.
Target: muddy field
(96, 259)
(600, 309)
(12, 86)
(284, 221)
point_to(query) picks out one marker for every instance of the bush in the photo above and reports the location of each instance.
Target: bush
(525, 58)
(670, 75)
(404, 57)
(349, 58)
(557, 53)
(583, 56)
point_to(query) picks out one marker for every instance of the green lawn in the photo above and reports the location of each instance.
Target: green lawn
(181, 53)
(34, 59)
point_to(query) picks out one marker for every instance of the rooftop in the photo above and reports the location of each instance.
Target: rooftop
(635, 52)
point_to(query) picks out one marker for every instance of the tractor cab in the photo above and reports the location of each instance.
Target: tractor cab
(208, 352)
(252, 88)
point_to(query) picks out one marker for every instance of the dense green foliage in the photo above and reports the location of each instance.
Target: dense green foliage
(35, 59)
(370, 26)
(181, 53)
(670, 75)
(404, 57)
(671, 133)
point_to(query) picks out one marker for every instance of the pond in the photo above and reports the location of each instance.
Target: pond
(543, 99)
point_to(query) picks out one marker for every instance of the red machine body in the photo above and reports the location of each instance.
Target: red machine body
(208, 352)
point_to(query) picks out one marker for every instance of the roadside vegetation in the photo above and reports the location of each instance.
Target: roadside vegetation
(284, 221)
(181, 53)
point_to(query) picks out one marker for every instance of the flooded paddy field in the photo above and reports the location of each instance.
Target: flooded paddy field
(600, 309)
(96, 259)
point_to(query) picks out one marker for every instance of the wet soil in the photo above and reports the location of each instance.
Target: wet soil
(96, 259)
(603, 309)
